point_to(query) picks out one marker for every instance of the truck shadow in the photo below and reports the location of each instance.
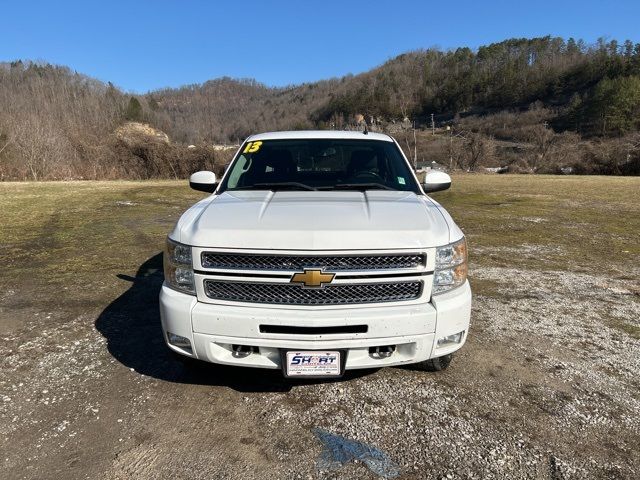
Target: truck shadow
(131, 325)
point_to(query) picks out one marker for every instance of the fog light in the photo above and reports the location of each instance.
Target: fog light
(450, 340)
(242, 351)
(382, 352)
(178, 341)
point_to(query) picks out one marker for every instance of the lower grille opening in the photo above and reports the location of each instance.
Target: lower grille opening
(292, 330)
(293, 294)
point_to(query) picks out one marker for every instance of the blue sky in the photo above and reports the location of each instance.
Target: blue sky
(143, 45)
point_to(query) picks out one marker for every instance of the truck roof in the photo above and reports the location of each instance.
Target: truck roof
(320, 134)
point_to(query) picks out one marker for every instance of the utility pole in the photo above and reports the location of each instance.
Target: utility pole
(415, 147)
(433, 126)
(450, 147)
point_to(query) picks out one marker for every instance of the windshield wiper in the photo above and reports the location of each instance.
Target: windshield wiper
(276, 186)
(362, 186)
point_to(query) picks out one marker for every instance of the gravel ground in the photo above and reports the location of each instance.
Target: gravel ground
(547, 386)
(568, 382)
(542, 390)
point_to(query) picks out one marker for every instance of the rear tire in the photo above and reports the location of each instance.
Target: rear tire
(435, 364)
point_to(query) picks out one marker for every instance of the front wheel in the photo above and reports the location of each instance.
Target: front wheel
(189, 363)
(435, 364)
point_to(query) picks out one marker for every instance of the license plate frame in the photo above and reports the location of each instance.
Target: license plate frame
(318, 371)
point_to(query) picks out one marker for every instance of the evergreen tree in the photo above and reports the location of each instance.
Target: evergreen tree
(133, 111)
(614, 106)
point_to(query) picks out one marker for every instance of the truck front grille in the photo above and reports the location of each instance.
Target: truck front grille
(334, 263)
(291, 294)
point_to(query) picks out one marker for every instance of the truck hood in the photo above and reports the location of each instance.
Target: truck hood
(335, 220)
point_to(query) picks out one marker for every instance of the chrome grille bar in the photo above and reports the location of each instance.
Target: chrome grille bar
(334, 263)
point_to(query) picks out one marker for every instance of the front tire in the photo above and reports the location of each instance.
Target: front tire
(435, 364)
(188, 363)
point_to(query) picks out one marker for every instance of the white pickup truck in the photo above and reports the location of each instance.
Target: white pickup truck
(316, 253)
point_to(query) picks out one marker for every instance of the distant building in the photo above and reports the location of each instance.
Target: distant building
(497, 169)
(224, 147)
(423, 167)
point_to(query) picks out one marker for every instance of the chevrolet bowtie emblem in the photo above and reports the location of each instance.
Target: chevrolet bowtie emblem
(313, 278)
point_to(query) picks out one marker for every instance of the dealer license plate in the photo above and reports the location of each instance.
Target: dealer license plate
(313, 364)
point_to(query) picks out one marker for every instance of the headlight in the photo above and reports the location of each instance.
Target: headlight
(178, 267)
(451, 266)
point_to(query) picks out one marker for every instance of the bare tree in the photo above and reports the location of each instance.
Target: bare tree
(480, 149)
(543, 140)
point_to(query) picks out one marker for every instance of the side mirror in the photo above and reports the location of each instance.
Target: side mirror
(203, 181)
(436, 181)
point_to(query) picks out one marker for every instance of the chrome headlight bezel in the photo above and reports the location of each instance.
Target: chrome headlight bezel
(178, 267)
(451, 267)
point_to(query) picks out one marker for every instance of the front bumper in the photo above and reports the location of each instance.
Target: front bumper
(413, 329)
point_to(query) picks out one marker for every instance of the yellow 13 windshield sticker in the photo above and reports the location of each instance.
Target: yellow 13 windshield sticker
(252, 147)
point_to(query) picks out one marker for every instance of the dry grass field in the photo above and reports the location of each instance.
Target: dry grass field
(548, 385)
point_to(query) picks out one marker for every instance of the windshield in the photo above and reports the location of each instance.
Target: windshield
(320, 165)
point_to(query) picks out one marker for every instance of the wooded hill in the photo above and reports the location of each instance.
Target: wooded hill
(537, 105)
